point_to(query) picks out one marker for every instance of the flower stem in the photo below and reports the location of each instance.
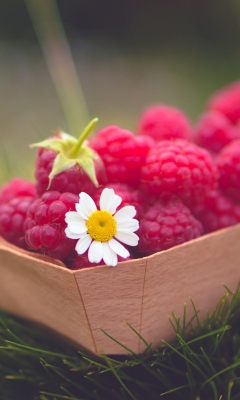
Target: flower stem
(48, 26)
(75, 150)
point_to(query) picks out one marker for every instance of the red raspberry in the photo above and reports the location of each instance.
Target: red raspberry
(228, 163)
(167, 224)
(227, 101)
(179, 168)
(66, 164)
(45, 224)
(122, 153)
(73, 180)
(213, 131)
(217, 212)
(129, 195)
(82, 261)
(16, 187)
(164, 123)
(12, 217)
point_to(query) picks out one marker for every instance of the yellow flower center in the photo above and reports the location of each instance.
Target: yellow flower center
(101, 226)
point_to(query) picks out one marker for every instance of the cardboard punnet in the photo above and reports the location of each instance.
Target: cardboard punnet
(78, 305)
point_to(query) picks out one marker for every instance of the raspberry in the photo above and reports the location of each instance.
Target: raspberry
(82, 261)
(66, 164)
(164, 123)
(167, 224)
(12, 217)
(16, 187)
(227, 101)
(217, 212)
(213, 131)
(228, 163)
(122, 153)
(129, 195)
(179, 168)
(73, 180)
(45, 224)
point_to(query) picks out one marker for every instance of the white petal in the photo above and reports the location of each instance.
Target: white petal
(72, 216)
(109, 201)
(86, 205)
(71, 235)
(77, 228)
(118, 248)
(126, 212)
(95, 252)
(127, 237)
(76, 223)
(131, 225)
(83, 244)
(80, 212)
(109, 256)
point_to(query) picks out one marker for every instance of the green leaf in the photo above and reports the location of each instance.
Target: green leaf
(61, 163)
(61, 143)
(71, 151)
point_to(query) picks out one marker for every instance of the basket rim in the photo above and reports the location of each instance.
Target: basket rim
(48, 261)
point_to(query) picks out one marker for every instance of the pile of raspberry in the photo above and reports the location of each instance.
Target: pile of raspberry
(182, 178)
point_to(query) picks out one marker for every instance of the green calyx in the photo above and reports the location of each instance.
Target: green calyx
(71, 151)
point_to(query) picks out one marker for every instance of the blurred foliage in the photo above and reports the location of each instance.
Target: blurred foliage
(128, 55)
(138, 21)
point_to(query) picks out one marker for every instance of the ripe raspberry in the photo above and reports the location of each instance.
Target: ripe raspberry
(217, 212)
(16, 187)
(129, 195)
(66, 164)
(227, 101)
(45, 224)
(12, 217)
(228, 163)
(82, 261)
(167, 224)
(213, 131)
(122, 153)
(164, 123)
(179, 168)
(73, 180)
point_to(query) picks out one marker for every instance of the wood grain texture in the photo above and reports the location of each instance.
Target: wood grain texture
(111, 297)
(44, 293)
(144, 292)
(196, 269)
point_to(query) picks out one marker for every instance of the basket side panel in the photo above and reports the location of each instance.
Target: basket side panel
(44, 293)
(112, 297)
(196, 269)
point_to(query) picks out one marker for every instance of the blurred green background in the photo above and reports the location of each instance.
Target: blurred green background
(128, 54)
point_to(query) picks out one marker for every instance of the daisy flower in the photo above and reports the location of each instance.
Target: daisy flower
(101, 231)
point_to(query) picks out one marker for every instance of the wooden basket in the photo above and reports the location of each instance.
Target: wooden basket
(143, 292)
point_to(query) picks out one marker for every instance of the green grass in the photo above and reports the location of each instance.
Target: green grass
(203, 363)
